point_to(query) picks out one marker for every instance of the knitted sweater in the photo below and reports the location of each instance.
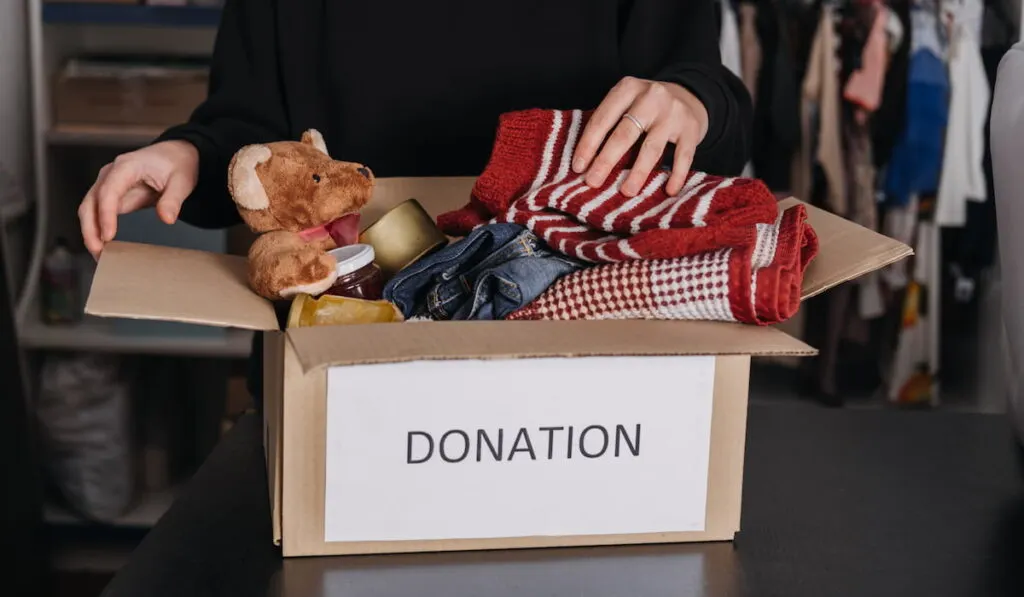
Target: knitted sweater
(719, 250)
(528, 181)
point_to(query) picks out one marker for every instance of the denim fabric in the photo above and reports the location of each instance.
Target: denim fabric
(495, 270)
(916, 161)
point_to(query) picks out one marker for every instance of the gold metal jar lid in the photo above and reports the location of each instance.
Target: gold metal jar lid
(401, 236)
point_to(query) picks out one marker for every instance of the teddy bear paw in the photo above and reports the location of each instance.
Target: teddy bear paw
(289, 273)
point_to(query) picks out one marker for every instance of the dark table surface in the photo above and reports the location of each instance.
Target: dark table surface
(836, 503)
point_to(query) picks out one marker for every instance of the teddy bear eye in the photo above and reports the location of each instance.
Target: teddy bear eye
(316, 178)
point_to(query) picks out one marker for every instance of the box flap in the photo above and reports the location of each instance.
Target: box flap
(846, 250)
(397, 342)
(141, 281)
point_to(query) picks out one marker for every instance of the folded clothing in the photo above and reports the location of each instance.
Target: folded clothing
(759, 283)
(528, 181)
(495, 270)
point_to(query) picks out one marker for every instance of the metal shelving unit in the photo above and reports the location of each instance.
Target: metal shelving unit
(76, 13)
(122, 137)
(86, 25)
(13, 210)
(57, 31)
(97, 335)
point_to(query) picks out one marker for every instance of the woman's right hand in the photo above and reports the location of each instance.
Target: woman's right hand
(163, 174)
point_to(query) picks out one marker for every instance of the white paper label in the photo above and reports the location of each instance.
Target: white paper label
(517, 448)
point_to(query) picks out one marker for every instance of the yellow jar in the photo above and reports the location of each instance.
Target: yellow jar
(339, 310)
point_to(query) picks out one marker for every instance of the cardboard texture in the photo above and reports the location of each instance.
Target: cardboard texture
(122, 93)
(846, 251)
(141, 281)
(304, 464)
(273, 396)
(160, 283)
(389, 343)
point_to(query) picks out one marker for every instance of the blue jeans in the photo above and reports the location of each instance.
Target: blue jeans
(492, 272)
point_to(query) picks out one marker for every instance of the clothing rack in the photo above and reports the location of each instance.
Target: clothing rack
(785, 29)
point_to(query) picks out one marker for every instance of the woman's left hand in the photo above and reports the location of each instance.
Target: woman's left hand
(664, 112)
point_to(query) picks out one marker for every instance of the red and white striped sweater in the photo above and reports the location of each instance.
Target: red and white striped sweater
(528, 181)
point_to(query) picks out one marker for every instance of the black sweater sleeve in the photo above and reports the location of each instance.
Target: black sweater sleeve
(676, 41)
(244, 106)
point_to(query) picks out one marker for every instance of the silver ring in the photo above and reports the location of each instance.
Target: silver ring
(635, 121)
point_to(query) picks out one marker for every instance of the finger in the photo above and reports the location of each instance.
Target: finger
(87, 220)
(603, 119)
(686, 146)
(136, 198)
(680, 168)
(647, 109)
(169, 205)
(87, 217)
(619, 142)
(649, 156)
(119, 180)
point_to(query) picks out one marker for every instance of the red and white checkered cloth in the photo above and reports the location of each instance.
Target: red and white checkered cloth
(759, 283)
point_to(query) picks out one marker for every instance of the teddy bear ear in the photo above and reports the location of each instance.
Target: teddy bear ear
(314, 138)
(245, 186)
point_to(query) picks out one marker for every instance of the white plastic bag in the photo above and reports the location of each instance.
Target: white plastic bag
(84, 414)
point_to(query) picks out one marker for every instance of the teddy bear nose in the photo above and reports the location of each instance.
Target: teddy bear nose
(364, 171)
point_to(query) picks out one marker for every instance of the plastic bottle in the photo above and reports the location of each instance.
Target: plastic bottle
(61, 292)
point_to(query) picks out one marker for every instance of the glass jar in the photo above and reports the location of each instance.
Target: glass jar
(358, 276)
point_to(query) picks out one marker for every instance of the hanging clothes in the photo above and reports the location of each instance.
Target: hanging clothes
(729, 38)
(915, 360)
(916, 160)
(750, 47)
(977, 245)
(776, 112)
(912, 180)
(820, 96)
(866, 23)
(971, 249)
(861, 170)
(889, 120)
(731, 51)
(869, 22)
(893, 29)
(750, 60)
(999, 25)
(822, 177)
(963, 174)
(849, 69)
(927, 30)
(864, 87)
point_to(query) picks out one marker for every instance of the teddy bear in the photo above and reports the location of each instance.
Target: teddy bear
(302, 203)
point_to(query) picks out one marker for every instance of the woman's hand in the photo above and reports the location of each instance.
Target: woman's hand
(163, 174)
(665, 112)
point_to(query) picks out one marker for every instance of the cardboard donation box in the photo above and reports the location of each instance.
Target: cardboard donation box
(431, 436)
